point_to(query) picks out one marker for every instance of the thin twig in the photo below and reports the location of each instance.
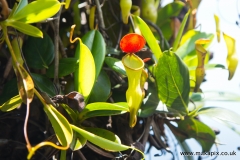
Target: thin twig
(100, 15)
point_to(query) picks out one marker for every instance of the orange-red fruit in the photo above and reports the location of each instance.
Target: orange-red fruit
(132, 43)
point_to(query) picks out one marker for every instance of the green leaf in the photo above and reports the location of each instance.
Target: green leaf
(44, 84)
(101, 142)
(96, 44)
(199, 131)
(70, 112)
(103, 109)
(187, 45)
(101, 89)
(78, 141)
(10, 89)
(84, 76)
(11, 104)
(172, 78)
(37, 11)
(20, 6)
(66, 67)
(60, 125)
(148, 35)
(38, 52)
(180, 32)
(169, 11)
(104, 134)
(220, 114)
(25, 28)
(115, 64)
(67, 3)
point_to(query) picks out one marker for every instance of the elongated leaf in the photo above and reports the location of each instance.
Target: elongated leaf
(84, 76)
(39, 52)
(170, 10)
(67, 3)
(199, 131)
(173, 81)
(37, 11)
(99, 141)
(44, 84)
(96, 44)
(148, 35)
(101, 89)
(21, 4)
(222, 114)
(66, 67)
(78, 141)
(232, 58)
(60, 125)
(103, 109)
(115, 64)
(11, 104)
(180, 32)
(25, 28)
(104, 134)
(218, 30)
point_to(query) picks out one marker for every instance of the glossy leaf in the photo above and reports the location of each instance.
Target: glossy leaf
(11, 104)
(96, 44)
(115, 64)
(20, 6)
(187, 44)
(148, 35)
(103, 109)
(180, 32)
(60, 125)
(70, 112)
(17, 47)
(66, 67)
(170, 10)
(99, 141)
(44, 84)
(232, 58)
(38, 52)
(172, 78)
(92, 17)
(25, 28)
(222, 114)
(199, 131)
(101, 89)
(125, 6)
(78, 141)
(104, 134)
(132, 43)
(84, 76)
(37, 11)
(218, 31)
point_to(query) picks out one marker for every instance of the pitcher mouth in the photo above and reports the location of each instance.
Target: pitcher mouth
(132, 62)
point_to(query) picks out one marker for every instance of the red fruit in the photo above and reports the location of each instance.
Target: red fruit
(132, 43)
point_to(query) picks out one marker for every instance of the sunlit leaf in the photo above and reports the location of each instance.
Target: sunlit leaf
(180, 32)
(39, 52)
(66, 67)
(104, 134)
(103, 109)
(67, 3)
(172, 78)
(78, 141)
(222, 114)
(99, 141)
(101, 89)
(44, 84)
(115, 64)
(60, 125)
(37, 11)
(148, 35)
(21, 5)
(218, 31)
(232, 58)
(11, 104)
(96, 44)
(199, 131)
(25, 28)
(84, 76)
